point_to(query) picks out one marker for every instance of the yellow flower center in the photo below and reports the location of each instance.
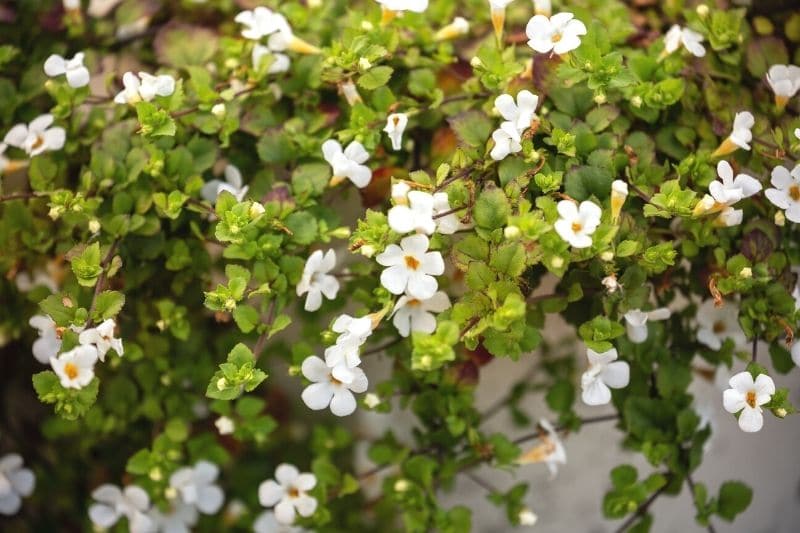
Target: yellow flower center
(412, 262)
(413, 302)
(577, 226)
(294, 493)
(38, 142)
(71, 370)
(719, 327)
(794, 193)
(751, 399)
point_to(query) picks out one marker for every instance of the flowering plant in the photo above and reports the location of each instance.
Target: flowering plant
(217, 215)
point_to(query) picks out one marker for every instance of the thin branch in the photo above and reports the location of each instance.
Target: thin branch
(755, 348)
(451, 211)
(382, 347)
(690, 481)
(584, 421)
(489, 487)
(262, 339)
(101, 281)
(641, 511)
(20, 196)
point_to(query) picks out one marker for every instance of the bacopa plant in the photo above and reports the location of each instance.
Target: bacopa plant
(215, 213)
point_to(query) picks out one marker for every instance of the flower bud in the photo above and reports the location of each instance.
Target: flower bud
(511, 232)
(746, 273)
(702, 10)
(94, 225)
(218, 110)
(372, 400)
(401, 485)
(600, 98)
(619, 193)
(527, 517)
(367, 250)
(222, 383)
(364, 63)
(780, 412)
(342, 232)
(636, 101)
(155, 474)
(557, 262)
(780, 219)
(607, 256)
(457, 28)
(476, 62)
(256, 210)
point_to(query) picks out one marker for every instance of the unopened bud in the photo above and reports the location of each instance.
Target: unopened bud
(636, 101)
(372, 400)
(401, 485)
(607, 256)
(527, 517)
(600, 98)
(222, 384)
(557, 262)
(746, 272)
(94, 225)
(218, 110)
(367, 250)
(780, 219)
(476, 62)
(780, 412)
(364, 63)
(155, 474)
(511, 232)
(702, 10)
(256, 210)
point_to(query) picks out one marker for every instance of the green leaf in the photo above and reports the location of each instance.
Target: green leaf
(472, 128)
(154, 122)
(734, 498)
(237, 375)
(86, 265)
(492, 209)
(246, 318)
(375, 77)
(108, 304)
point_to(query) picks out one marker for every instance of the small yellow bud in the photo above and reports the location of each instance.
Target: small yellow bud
(702, 10)
(476, 62)
(600, 98)
(557, 262)
(367, 250)
(746, 273)
(401, 485)
(94, 225)
(636, 101)
(218, 110)
(155, 474)
(222, 383)
(364, 63)
(780, 219)
(372, 400)
(607, 256)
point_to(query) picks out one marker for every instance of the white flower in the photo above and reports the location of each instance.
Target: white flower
(507, 140)
(611, 284)
(36, 137)
(280, 62)
(604, 371)
(71, 5)
(395, 126)
(410, 267)
(75, 368)
(747, 396)
(740, 137)
(543, 7)
(520, 113)
(267, 523)
(232, 184)
(784, 80)
(619, 193)
(417, 6)
(348, 163)
(726, 192)
(344, 354)
(636, 322)
(527, 517)
(77, 74)
(284, 39)
(550, 450)
(449, 223)
(498, 12)
(131, 502)
(559, 33)
(796, 352)
(350, 92)
(786, 192)
(288, 493)
(316, 281)
(16, 483)
(196, 486)
(577, 223)
(144, 87)
(26, 281)
(457, 28)
(416, 216)
(328, 387)
(258, 23)
(49, 342)
(225, 425)
(179, 519)
(411, 314)
(400, 192)
(690, 39)
(715, 324)
(102, 337)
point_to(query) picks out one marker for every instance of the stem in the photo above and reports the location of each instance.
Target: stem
(20, 196)
(584, 421)
(382, 347)
(262, 339)
(101, 281)
(642, 510)
(451, 211)
(489, 487)
(755, 348)
(690, 481)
